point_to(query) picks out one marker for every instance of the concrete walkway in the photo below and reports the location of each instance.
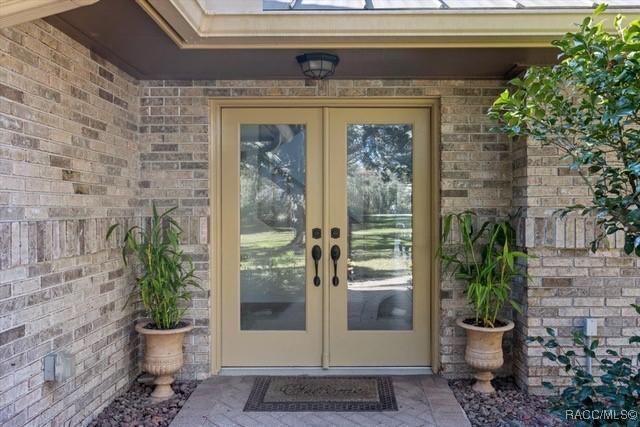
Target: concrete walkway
(422, 401)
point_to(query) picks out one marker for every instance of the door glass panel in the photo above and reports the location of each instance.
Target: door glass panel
(379, 199)
(272, 227)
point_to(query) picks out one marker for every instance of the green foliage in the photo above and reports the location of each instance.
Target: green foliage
(486, 260)
(382, 150)
(589, 107)
(167, 272)
(617, 389)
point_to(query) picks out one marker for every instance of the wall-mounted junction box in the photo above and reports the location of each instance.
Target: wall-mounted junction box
(59, 366)
(591, 327)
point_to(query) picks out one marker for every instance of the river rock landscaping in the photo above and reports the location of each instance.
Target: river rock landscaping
(509, 407)
(135, 409)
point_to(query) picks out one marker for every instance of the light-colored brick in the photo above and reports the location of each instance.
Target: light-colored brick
(72, 163)
(46, 156)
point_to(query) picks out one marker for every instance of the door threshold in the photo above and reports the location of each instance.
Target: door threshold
(348, 370)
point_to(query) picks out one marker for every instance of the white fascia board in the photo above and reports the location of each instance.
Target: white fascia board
(14, 12)
(363, 29)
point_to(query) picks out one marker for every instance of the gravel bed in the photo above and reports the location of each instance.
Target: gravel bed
(134, 408)
(509, 407)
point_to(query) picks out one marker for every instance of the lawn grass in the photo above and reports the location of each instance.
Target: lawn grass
(372, 248)
(272, 270)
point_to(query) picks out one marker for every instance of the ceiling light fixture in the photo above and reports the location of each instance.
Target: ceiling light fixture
(318, 65)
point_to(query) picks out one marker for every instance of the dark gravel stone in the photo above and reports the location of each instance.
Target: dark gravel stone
(509, 407)
(135, 409)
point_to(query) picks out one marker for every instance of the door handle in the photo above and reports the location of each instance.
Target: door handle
(316, 254)
(335, 256)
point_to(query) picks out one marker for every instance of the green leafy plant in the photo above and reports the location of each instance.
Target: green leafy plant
(588, 106)
(486, 259)
(616, 392)
(167, 272)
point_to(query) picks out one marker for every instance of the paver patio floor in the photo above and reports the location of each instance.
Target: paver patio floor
(423, 400)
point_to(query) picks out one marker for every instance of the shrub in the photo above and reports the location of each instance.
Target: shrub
(616, 390)
(588, 106)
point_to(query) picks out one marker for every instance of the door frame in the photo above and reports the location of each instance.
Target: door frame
(216, 104)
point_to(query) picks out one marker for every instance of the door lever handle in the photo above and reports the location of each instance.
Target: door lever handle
(335, 256)
(316, 254)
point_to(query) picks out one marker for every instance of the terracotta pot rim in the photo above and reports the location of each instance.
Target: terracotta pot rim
(460, 322)
(140, 328)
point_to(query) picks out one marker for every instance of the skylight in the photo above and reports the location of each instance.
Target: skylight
(283, 5)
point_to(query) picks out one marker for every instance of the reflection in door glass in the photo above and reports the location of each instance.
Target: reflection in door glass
(379, 272)
(272, 226)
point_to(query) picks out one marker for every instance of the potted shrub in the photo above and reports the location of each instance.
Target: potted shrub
(162, 287)
(484, 258)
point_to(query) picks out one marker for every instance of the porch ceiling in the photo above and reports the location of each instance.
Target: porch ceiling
(121, 32)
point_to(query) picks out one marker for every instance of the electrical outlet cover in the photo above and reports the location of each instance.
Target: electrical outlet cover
(591, 327)
(49, 367)
(65, 366)
(59, 366)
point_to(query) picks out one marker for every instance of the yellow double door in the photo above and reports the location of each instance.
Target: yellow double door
(324, 238)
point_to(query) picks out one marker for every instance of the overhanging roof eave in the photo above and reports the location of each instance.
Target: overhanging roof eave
(190, 27)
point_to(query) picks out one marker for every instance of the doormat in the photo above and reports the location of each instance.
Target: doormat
(295, 394)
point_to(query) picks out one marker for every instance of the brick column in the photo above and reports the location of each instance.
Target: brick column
(519, 293)
(568, 283)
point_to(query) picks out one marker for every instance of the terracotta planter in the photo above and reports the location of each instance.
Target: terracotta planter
(484, 352)
(162, 356)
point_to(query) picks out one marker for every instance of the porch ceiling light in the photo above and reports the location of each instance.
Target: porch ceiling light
(318, 65)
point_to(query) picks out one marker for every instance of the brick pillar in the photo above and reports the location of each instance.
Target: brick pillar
(519, 293)
(567, 282)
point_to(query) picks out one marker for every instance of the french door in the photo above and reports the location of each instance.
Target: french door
(325, 216)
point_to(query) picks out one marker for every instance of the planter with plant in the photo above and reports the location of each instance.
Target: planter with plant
(486, 259)
(163, 288)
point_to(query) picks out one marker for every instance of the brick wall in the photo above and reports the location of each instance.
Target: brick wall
(568, 282)
(174, 144)
(174, 116)
(83, 145)
(68, 168)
